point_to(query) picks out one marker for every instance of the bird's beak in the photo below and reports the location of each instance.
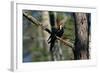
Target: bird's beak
(60, 27)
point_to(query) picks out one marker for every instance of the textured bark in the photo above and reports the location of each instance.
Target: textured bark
(82, 37)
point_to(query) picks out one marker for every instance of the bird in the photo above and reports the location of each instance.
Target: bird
(55, 32)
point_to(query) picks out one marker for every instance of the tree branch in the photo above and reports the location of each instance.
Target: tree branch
(36, 22)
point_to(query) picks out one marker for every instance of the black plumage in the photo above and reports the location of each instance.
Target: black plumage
(52, 39)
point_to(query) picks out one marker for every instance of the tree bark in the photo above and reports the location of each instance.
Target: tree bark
(82, 38)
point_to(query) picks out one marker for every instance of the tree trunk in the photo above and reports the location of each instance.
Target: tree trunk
(55, 22)
(82, 38)
(46, 23)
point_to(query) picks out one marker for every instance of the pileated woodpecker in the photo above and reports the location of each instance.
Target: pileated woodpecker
(55, 31)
